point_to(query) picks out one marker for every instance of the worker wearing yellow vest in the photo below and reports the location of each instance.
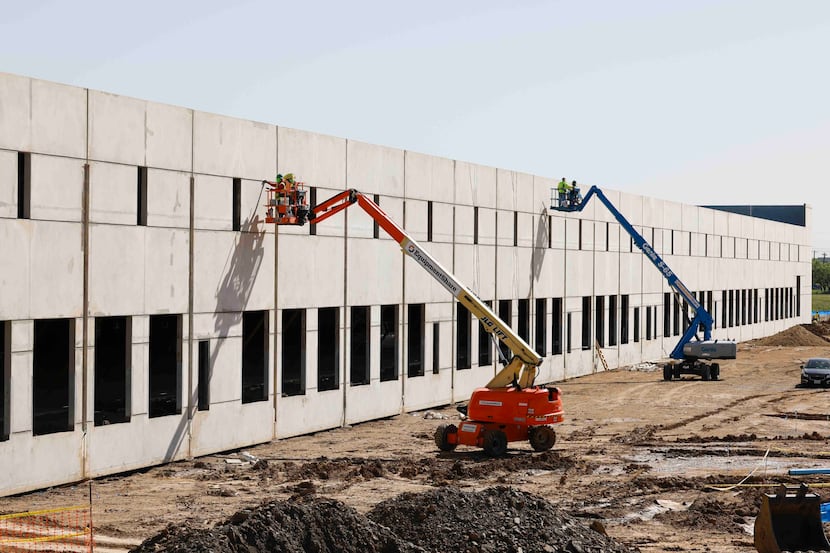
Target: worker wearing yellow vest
(562, 188)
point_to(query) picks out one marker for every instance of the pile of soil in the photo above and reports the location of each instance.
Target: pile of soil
(495, 520)
(445, 520)
(794, 336)
(819, 328)
(311, 525)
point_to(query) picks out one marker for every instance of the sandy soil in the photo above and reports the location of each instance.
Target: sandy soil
(637, 453)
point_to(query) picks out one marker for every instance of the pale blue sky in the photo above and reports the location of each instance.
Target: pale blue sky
(698, 101)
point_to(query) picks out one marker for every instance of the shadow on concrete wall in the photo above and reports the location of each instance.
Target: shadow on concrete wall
(540, 246)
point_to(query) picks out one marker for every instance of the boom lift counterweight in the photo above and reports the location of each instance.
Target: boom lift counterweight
(510, 407)
(689, 356)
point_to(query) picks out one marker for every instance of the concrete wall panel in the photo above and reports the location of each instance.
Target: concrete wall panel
(15, 110)
(475, 185)
(58, 119)
(317, 159)
(116, 270)
(57, 188)
(8, 184)
(117, 128)
(15, 272)
(168, 199)
(113, 194)
(429, 177)
(234, 147)
(374, 169)
(59, 252)
(169, 137)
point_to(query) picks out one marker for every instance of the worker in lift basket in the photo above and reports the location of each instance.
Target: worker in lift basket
(562, 188)
(574, 197)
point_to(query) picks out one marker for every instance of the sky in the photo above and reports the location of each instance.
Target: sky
(697, 101)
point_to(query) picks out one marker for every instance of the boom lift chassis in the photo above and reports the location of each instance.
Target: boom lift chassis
(691, 355)
(510, 407)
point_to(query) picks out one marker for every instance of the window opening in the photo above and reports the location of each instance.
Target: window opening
(586, 322)
(506, 315)
(113, 353)
(52, 376)
(624, 319)
(556, 326)
(204, 375)
(463, 338)
(612, 320)
(293, 352)
(328, 348)
(541, 319)
(165, 365)
(5, 373)
(636, 324)
(485, 343)
(360, 341)
(600, 320)
(388, 342)
(237, 204)
(141, 207)
(524, 319)
(254, 356)
(415, 340)
(436, 349)
(24, 185)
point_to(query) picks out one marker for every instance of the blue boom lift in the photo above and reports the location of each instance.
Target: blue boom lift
(691, 355)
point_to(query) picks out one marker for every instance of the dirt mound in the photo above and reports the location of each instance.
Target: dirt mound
(819, 328)
(712, 514)
(315, 525)
(496, 520)
(794, 336)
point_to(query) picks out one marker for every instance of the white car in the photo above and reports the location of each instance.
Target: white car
(816, 372)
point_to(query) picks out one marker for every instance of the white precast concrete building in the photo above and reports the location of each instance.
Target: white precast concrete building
(148, 314)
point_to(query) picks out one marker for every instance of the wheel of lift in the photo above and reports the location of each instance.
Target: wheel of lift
(706, 372)
(541, 438)
(441, 436)
(667, 372)
(715, 373)
(495, 443)
(676, 371)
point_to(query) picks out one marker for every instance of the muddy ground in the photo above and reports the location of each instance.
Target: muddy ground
(652, 464)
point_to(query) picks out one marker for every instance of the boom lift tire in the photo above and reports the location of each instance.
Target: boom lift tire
(706, 373)
(715, 373)
(495, 443)
(667, 372)
(541, 438)
(442, 434)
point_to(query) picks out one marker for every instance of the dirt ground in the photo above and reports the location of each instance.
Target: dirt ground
(650, 462)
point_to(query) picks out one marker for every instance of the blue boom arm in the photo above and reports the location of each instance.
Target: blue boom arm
(702, 317)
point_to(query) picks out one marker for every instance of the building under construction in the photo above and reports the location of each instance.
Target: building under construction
(148, 313)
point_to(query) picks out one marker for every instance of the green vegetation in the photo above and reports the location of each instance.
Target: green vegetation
(821, 301)
(821, 275)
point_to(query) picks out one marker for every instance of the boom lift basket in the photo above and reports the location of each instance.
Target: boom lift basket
(286, 202)
(790, 520)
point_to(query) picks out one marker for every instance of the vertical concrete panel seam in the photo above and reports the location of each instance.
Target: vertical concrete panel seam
(85, 303)
(274, 360)
(344, 369)
(190, 279)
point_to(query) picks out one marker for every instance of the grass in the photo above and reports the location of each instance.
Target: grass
(821, 301)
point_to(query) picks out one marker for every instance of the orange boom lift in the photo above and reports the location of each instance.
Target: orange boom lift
(509, 408)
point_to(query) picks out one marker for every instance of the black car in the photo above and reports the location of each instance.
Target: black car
(816, 372)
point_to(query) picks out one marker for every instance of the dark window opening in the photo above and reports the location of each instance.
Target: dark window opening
(685, 315)
(755, 305)
(612, 320)
(141, 203)
(586, 322)
(506, 315)
(730, 306)
(568, 341)
(524, 319)
(666, 314)
(672, 242)
(5, 373)
(550, 232)
(237, 204)
(580, 234)
(415, 340)
(744, 306)
(648, 323)
(676, 317)
(52, 376)
(485, 343)
(165, 365)
(624, 319)
(724, 309)
(376, 226)
(359, 351)
(515, 228)
(312, 201)
(204, 375)
(463, 338)
(541, 319)
(709, 302)
(636, 324)
(328, 348)
(436, 350)
(797, 296)
(475, 225)
(24, 185)
(293, 352)
(429, 221)
(556, 326)
(600, 321)
(112, 370)
(388, 342)
(255, 356)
